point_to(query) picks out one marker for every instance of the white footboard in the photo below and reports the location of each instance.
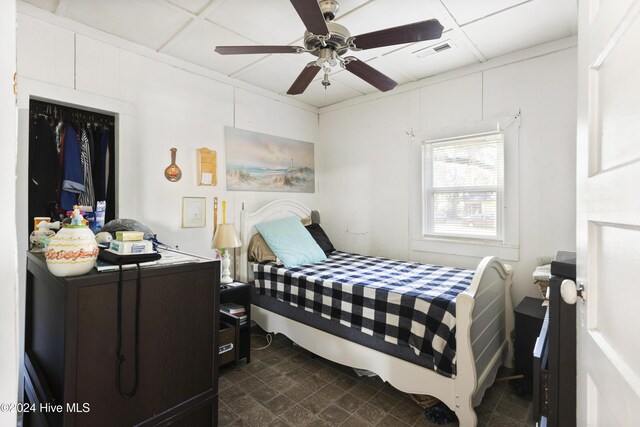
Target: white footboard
(484, 321)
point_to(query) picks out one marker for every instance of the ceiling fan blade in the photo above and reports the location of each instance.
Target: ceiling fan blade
(369, 74)
(416, 32)
(238, 50)
(303, 80)
(311, 15)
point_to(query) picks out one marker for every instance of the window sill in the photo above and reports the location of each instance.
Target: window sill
(466, 248)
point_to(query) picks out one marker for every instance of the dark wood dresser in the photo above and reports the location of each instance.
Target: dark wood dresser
(71, 346)
(555, 353)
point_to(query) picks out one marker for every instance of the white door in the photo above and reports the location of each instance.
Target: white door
(608, 217)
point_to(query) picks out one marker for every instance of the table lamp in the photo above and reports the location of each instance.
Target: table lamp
(225, 239)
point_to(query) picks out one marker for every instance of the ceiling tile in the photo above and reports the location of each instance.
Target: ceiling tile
(361, 22)
(50, 5)
(530, 24)
(352, 81)
(392, 70)
(317, 96)
(275, 73)
(197, 46)
(302, 59)
(145, 22)
(193, 6)
(413, 60)
(390, 14)
(263, 22)
(348, 6)
(465, 11)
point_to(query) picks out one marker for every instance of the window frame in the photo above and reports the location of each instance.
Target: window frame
(428, 190)
(508, 247)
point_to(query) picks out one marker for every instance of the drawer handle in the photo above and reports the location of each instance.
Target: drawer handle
(225, 348)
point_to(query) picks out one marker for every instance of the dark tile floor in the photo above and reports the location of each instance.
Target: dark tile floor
(285, 385)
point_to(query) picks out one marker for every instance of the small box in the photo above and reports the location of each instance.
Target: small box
(135, 247)
(128, 236)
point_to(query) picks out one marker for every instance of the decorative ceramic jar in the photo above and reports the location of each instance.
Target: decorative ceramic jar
(73, 250)
(40, 237)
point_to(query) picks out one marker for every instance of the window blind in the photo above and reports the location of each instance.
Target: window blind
(463, 186)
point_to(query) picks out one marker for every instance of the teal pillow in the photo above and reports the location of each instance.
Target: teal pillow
(291, 242)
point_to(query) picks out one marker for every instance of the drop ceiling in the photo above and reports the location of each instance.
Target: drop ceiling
(190, 29)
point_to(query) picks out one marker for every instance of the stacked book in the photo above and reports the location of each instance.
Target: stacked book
(234, 310)
(130, 242)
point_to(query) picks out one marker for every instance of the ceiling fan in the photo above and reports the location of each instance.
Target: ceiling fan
(329, 41)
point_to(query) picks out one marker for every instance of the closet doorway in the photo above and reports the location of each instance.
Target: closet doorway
(72, 158)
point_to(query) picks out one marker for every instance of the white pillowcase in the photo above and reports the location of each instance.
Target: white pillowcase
(291, 242)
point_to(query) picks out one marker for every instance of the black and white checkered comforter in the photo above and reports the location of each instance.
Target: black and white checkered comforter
(404, 303)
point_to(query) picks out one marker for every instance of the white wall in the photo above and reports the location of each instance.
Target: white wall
(8, 254)
(170, 107)
(364, 159)
(160, 103)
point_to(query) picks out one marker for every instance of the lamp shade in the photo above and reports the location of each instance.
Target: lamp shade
(226, 237)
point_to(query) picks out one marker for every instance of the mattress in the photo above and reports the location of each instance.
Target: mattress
(406, 306)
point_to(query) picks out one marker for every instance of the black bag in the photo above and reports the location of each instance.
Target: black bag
(119, 259)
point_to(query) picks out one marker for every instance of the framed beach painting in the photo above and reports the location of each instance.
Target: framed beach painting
(259, 162)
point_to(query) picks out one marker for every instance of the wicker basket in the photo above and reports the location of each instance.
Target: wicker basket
(541, 278)
(424, 400)
(543, 285)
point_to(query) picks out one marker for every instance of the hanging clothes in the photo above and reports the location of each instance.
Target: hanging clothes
(60, 132)
(80, 160)
(110, 176)
(72, 176)
(43, 165)
(86, 198)
(106, 147)
(100, 165)
(89, 133)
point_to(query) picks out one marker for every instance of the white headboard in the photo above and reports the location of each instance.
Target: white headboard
(273, 210)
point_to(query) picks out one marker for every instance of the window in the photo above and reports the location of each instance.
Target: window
(463, 190)
(463, 187)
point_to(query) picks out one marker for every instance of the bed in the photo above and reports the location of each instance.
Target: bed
(482, 319)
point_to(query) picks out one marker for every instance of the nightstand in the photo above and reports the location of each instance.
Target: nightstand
(239, 294)
(529, 315)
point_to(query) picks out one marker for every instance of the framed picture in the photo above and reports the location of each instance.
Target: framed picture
(259, 162)
(194, 212)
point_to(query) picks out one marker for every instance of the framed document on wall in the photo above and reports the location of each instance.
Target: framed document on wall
(194, 212)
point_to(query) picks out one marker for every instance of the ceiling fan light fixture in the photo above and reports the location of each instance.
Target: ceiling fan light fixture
(327, 58)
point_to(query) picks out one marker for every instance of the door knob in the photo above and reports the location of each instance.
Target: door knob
(570, 291)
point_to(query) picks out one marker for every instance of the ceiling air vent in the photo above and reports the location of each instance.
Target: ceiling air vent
(442, 47)
(430, 50)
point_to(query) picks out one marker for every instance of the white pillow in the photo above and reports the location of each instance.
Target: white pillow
(291, 242)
